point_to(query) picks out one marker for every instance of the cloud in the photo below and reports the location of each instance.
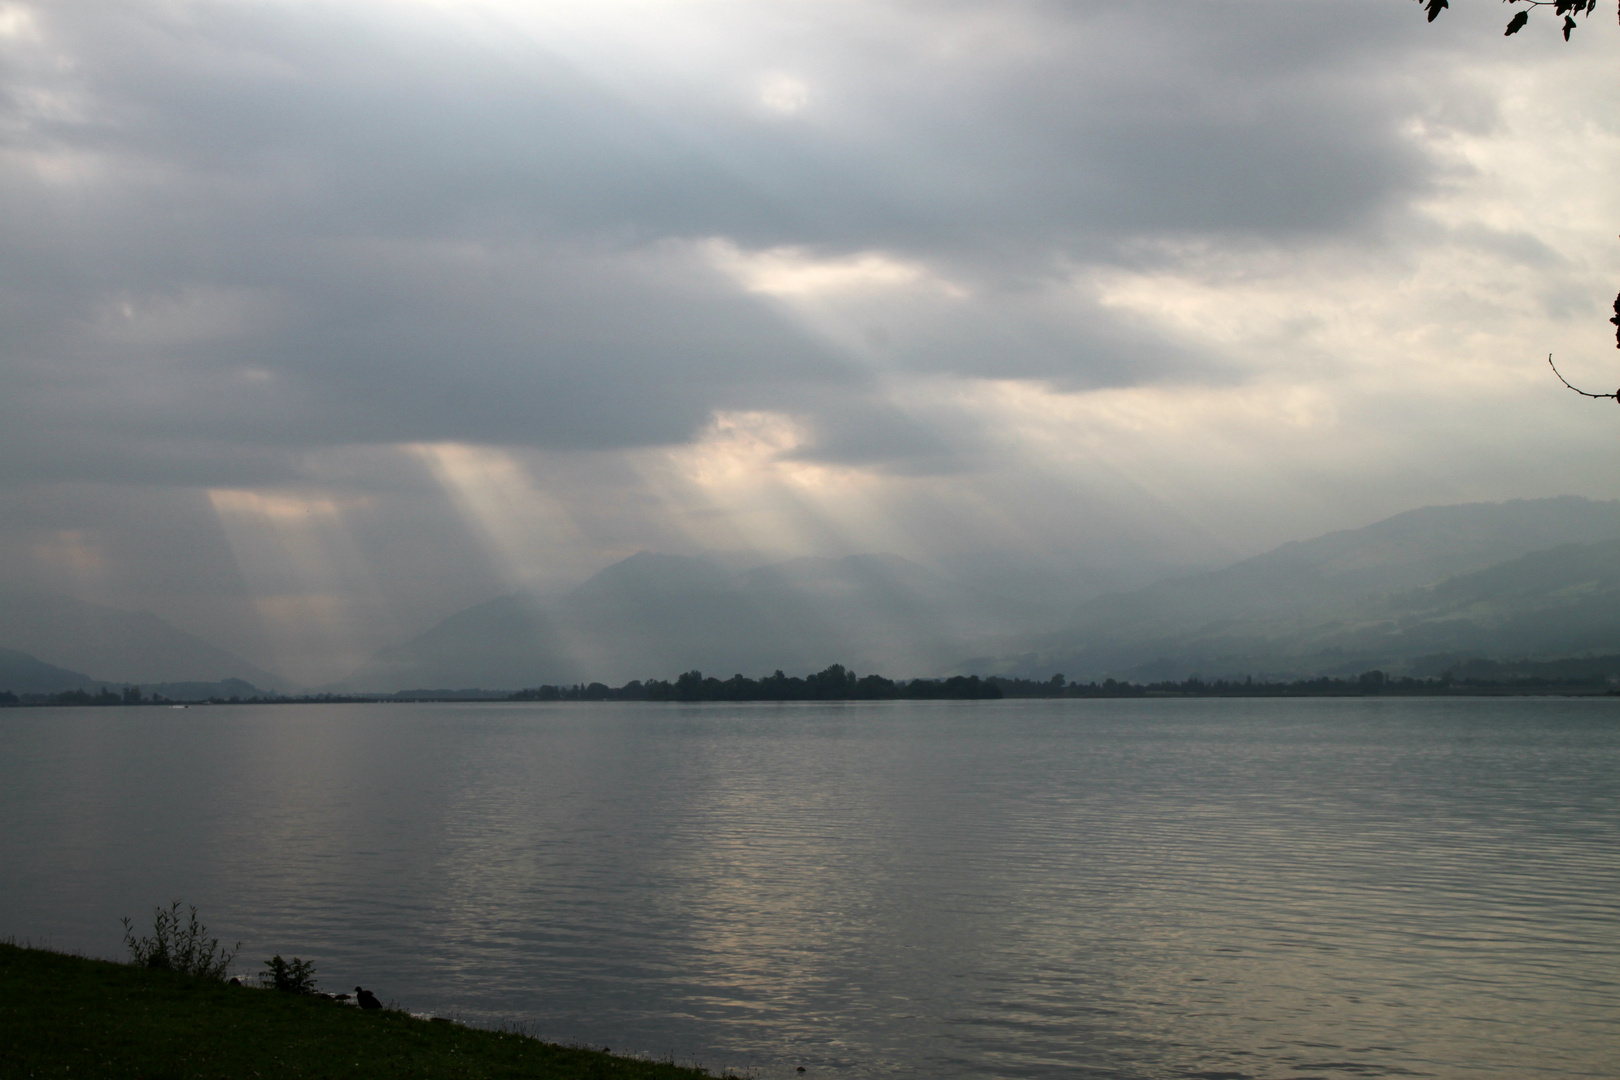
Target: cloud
(1015, 266)
(309, 224)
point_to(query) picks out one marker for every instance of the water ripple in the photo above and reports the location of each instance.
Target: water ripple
(1244, 890)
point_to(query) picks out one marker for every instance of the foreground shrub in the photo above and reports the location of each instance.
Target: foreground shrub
(293, 976)
(176, 946)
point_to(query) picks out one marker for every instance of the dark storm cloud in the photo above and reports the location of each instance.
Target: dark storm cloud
(232, 232)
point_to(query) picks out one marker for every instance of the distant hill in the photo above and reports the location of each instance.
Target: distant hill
(656, 615)
(1564, 601)
(1522, 578)
(123, 647)
(24, 674)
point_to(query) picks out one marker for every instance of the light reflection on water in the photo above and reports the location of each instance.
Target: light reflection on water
(1268, 889)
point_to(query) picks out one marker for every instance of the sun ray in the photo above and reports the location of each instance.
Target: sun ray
(532, 535)
(306, 577)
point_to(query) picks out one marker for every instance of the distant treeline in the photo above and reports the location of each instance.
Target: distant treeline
(130, 695)
(838, 684)
(833, 684)
(1587, 675)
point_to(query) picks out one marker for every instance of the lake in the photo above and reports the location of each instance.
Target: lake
(1133, 889)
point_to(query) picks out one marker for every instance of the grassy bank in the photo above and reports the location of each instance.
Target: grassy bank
(65, 1016)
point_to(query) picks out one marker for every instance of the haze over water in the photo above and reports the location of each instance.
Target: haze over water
(1268, 889)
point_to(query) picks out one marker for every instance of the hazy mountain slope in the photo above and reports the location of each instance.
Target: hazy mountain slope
(486, 645)
(1558, 602)
(24, 674)
(1286, 585)
(119, 646)
(649, 616)
(1332, 602)
(1065, 581)
(882, 612)
(654, 616)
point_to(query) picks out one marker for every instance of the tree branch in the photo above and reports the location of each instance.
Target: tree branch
(1578, 390)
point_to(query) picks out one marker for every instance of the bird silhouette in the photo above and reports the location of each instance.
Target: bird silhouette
(367, 999)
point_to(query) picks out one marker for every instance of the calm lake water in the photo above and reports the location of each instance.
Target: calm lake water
(1199, 889)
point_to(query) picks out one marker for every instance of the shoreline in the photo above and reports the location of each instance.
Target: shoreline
(78, 1016)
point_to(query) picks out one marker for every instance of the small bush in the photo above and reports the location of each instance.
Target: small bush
(293, 976)
(176, 946)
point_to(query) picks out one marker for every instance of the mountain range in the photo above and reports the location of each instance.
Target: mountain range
(1528, 578)
(1418, 593)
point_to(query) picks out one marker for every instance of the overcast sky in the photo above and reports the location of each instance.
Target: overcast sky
(321, 320)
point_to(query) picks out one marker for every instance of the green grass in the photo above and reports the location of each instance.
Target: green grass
(66, 1016)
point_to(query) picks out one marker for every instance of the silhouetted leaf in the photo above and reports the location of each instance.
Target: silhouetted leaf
(1568, 9)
